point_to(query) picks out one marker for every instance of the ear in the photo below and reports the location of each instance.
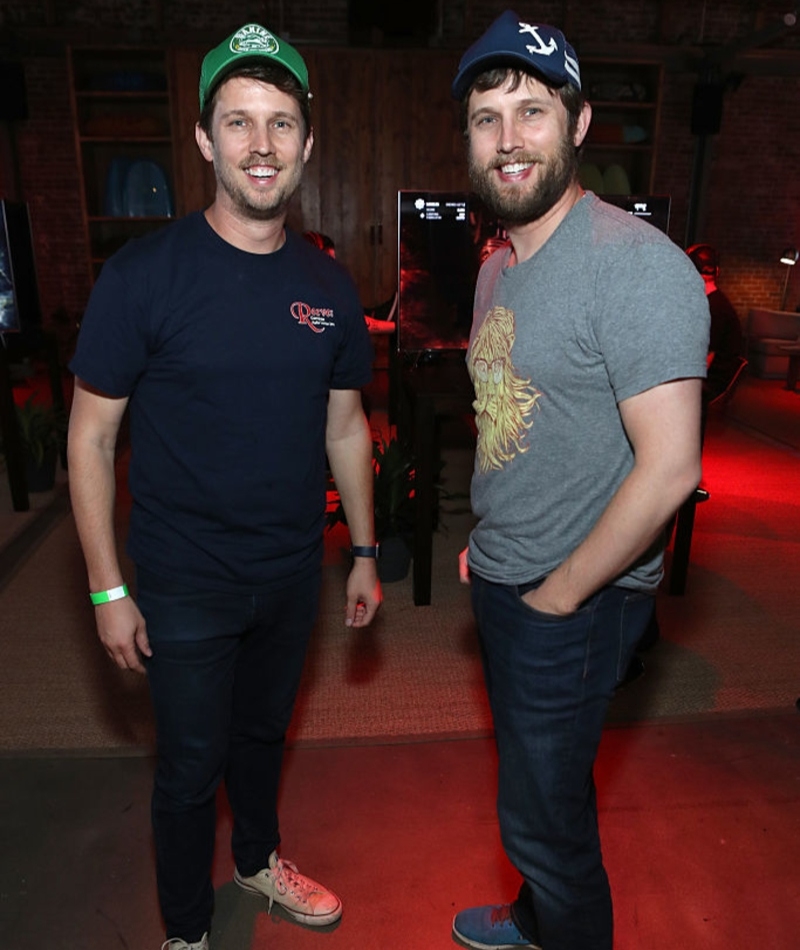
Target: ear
(582, 125)
(308, 146)
(203, 143)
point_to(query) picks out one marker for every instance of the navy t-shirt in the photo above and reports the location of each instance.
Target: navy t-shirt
(228, 359)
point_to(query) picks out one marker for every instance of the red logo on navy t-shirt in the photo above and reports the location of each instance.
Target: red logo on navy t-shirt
(317, 318)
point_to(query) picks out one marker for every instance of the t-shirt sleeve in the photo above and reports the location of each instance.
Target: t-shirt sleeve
(112, 346)
(654, 327)
(353, 366)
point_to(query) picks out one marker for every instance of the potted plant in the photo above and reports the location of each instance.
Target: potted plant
(394, 503)
(393, 500)
(43, 431)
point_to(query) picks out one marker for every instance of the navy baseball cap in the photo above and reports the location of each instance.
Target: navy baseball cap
(510, 41)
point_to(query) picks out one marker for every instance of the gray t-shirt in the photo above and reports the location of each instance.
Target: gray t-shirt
(608, 308)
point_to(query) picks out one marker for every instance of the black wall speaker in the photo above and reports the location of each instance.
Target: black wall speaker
(13, 94)
(707, 108)
(399, 23)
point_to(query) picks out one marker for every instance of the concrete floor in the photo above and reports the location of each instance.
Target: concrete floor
(700, 822)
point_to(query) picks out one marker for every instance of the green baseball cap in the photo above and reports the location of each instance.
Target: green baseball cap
(251, 42)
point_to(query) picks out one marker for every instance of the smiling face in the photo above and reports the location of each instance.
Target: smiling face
(258, 147)
(522, 148)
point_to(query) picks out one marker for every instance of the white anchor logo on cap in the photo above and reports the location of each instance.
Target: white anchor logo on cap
(542, 49)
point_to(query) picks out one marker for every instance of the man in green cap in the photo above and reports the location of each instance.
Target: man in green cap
(240, 351)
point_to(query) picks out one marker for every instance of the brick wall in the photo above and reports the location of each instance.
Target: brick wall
(675, 150)
(752, 204)
(49, 183)
(754, 195)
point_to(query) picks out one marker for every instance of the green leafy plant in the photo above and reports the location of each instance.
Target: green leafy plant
(41, 427)
(394, 496)
(393, 488)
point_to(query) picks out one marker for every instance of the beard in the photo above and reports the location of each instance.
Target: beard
(259, 207)
(515, 204)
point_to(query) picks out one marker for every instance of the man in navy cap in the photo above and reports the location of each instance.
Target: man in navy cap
(587, 351)
(240, 351)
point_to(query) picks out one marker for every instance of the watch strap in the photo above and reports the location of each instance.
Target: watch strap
(366, 550)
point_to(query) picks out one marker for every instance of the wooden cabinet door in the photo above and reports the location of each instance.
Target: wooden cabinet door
(194, 176)
(337, 194)
(384, 120)
(418, 144)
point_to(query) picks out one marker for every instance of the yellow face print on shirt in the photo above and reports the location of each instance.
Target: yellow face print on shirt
(504, 402)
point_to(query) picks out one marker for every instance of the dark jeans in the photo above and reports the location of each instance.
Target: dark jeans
(223, 680)
(549, 681)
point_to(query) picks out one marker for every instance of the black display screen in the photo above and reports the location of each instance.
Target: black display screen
(651, 208)
(19, 289)
(442, 240)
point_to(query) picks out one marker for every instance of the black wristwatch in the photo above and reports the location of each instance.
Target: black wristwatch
(364, 550)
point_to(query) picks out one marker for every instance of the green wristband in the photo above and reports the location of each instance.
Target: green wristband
(106, 596)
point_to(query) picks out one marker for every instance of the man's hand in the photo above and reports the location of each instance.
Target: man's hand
(542, 600)
(364, 594)
(123, 633)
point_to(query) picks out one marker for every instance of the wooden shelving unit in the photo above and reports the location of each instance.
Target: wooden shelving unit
(626, 102)
(121, 112)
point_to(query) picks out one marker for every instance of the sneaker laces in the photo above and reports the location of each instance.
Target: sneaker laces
(286, 877)
(501, 914)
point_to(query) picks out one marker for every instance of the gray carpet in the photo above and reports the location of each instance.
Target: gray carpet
(729, 644)
(414, 673)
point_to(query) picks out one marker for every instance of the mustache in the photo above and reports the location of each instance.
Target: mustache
(526, 158)
(256, 159)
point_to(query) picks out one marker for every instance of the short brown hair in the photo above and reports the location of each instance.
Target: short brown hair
(572, 98)
(269, 73)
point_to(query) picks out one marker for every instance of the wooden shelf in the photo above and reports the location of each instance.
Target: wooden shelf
(122, 115)
(626, 101)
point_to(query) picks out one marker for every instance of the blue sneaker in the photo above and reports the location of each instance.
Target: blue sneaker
(489, 928)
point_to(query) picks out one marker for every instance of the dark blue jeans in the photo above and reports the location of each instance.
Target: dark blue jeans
(223, 680)
(550, 680)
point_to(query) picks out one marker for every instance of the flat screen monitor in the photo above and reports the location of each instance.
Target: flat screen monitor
(651, 208)
(20, 308)
(441, 238)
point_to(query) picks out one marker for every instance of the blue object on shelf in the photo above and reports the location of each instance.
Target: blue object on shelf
(129, 80)
(114, 203)
(137, 189)
(147, 191)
